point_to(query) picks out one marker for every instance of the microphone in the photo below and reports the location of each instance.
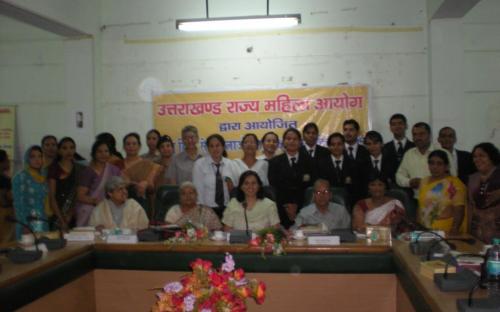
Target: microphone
(460, 281)
(422, 248)
(245, 206)
(51, 243)
(469, 241)
(19, 255)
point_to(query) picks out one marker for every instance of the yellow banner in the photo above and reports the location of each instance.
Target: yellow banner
(235, 113)
(7, 131)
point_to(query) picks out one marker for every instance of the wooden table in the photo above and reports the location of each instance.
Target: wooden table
(350, 275)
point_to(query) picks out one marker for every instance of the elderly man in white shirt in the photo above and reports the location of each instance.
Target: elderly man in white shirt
(414, 165)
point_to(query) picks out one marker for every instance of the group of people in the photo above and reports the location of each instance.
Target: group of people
(456, 191)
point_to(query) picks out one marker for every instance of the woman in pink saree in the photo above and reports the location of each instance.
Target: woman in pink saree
(90, 190)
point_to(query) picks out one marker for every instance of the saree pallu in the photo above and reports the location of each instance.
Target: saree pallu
(434, 197)
(96, 190)
(142, 170)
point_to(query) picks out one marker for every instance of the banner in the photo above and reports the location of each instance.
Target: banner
(235, 113)
(7, 131)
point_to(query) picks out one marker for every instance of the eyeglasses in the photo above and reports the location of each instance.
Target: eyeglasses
(323, 192)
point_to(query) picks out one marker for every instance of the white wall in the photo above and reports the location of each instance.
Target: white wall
(383, 43)
(465, 61)
(386, 49)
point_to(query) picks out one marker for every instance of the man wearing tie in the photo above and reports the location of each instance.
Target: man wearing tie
(462, 160)
(400, 144)
(354, 150)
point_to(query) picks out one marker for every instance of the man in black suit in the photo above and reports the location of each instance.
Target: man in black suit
(354, 150)
(462, 159)
(340, 170)
(396, 148)
(310, 134)
(290, 174)
(380, 163)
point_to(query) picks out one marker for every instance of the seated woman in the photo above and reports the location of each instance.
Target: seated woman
(30, 192)
(484, 193)
(250, 210)
(139, 173)
(189, 211)
(90, 190)
(117, 210)
(249, 145)
(441, 197)
(378, 209)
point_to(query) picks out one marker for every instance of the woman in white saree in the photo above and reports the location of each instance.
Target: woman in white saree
(378, 209)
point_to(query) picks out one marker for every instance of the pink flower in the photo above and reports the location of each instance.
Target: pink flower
(228, 265)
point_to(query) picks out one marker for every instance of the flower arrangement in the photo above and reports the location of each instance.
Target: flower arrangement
(209, 290)
(271, 240)
(189, 233)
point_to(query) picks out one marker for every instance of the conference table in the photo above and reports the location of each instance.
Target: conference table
(97, 276)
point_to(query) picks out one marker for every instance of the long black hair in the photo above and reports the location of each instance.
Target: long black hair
(240, 195)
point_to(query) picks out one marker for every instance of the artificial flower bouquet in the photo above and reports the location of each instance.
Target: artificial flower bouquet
(271, 240)
(189, 233)
(207, 289)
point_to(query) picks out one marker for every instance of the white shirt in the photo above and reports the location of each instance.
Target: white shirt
(414, 165)
(379, 164)
(341, 158)
(309, 149)
(296, 156)
(396, 144)
(204, 179)
(354, 149)
(260, 167)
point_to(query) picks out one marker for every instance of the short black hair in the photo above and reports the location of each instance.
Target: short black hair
(270, 133)
(377, 176)
(158, 134)
(3, 155)
(310, 125)
(398, 116)
(374, 136)
(352, 122)
(423, 125)
(48, 137)
(249, 135)
(221, 140)
(335, 135)
(491, 150)
(447, 128)
(292, 130)
(164, 139)
(240, 195)
(439, 154)
(132, 134)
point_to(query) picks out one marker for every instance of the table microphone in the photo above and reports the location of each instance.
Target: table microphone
(469, 241)
(422, 248)
(19, 255)
(239, 236)
(460, 281)
(51, 243)
(245, 206)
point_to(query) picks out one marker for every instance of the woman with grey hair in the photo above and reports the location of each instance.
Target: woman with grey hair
(117, 210)
(181, 167)
(188, 211)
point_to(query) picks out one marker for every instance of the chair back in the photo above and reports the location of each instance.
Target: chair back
(166, 197)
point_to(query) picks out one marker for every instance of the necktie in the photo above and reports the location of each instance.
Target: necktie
(219, 188)
(351, 154)
(311, 152)
(294, 162)
(338, 171)
(375, 166)
(400, 150)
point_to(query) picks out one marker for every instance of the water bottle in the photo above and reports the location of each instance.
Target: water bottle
(493, 269)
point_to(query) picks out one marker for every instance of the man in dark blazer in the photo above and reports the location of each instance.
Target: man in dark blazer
(396, 148)
(462, 159)
(353, 149)
(290, 174)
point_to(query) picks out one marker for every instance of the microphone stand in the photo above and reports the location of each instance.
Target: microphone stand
(245, 206)
(19, 255)
(52, 244)
(460, 281)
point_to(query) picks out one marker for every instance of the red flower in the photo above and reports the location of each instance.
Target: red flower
(217, 279)
(245, 292)
(260, 293)
(255, 242)
(239, 274)
(202, 264)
